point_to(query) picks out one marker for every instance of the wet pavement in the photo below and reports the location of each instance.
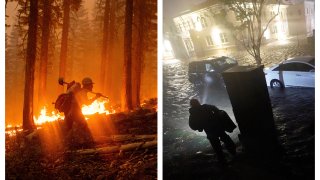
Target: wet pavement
(188, 154)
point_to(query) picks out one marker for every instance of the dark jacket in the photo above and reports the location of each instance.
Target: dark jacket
(203, 118)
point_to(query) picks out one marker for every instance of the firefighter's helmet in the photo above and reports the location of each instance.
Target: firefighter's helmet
(87, 81)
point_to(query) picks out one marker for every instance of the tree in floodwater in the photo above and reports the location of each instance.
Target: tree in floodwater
(127, 84)
(251, 29)
(28, 122)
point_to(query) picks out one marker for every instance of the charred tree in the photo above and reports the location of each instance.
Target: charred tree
(44, 51)
(104, 49)
(128, 55)
(28, 122)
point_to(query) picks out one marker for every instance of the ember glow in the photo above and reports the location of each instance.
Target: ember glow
(97, 107)
(13, 132)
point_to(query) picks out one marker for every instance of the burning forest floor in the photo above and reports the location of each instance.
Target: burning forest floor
(124, 148)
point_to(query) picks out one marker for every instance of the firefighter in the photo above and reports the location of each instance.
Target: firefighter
(82, 94)
(74, 115)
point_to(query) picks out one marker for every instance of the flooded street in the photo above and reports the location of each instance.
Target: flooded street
(189, 152)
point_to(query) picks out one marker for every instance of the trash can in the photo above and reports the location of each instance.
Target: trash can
(247, 89)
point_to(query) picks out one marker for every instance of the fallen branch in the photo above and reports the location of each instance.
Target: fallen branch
(119, 138)
(114, 149)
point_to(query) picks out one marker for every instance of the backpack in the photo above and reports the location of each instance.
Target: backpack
(195, 124)
(63, 102)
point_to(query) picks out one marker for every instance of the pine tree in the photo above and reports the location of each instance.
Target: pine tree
(28, 122)
(127, 56)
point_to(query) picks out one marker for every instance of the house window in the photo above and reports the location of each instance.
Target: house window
(307, 10)
(184, 26)
(188, 44)
(209, 40)
(179, 28)
(274, 29)
(189, 26)
(223, 37)
(203, 22)
(193, 24)
(272, 13)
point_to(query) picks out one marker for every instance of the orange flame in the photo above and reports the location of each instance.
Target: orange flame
(43, 117)
(97, 107)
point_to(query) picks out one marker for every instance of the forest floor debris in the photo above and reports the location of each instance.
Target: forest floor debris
(125, 148)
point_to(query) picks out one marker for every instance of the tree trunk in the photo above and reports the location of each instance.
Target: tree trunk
(28, 122)
(123, 148)
(124, 137)
(139, 51)
(104, 50)
(44, 51)
(127, 55)
(112, 34)
(64, 39)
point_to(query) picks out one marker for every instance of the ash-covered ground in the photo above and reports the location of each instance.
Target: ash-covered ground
(188, 154)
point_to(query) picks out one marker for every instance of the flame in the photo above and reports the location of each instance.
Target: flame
(13, 132)
(97, 107)
(44, 117)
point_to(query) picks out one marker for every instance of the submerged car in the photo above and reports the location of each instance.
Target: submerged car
(208, 71)
(297, 71)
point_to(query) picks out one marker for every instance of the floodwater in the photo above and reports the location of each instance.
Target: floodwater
(294, 115)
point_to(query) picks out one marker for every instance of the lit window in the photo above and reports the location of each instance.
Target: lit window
(179, 28)
(203, 22)
(185, 26)
(209, 41)
(223, 37)
(193, 24)
(189, 26)
(188, 44)
(274, 29)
